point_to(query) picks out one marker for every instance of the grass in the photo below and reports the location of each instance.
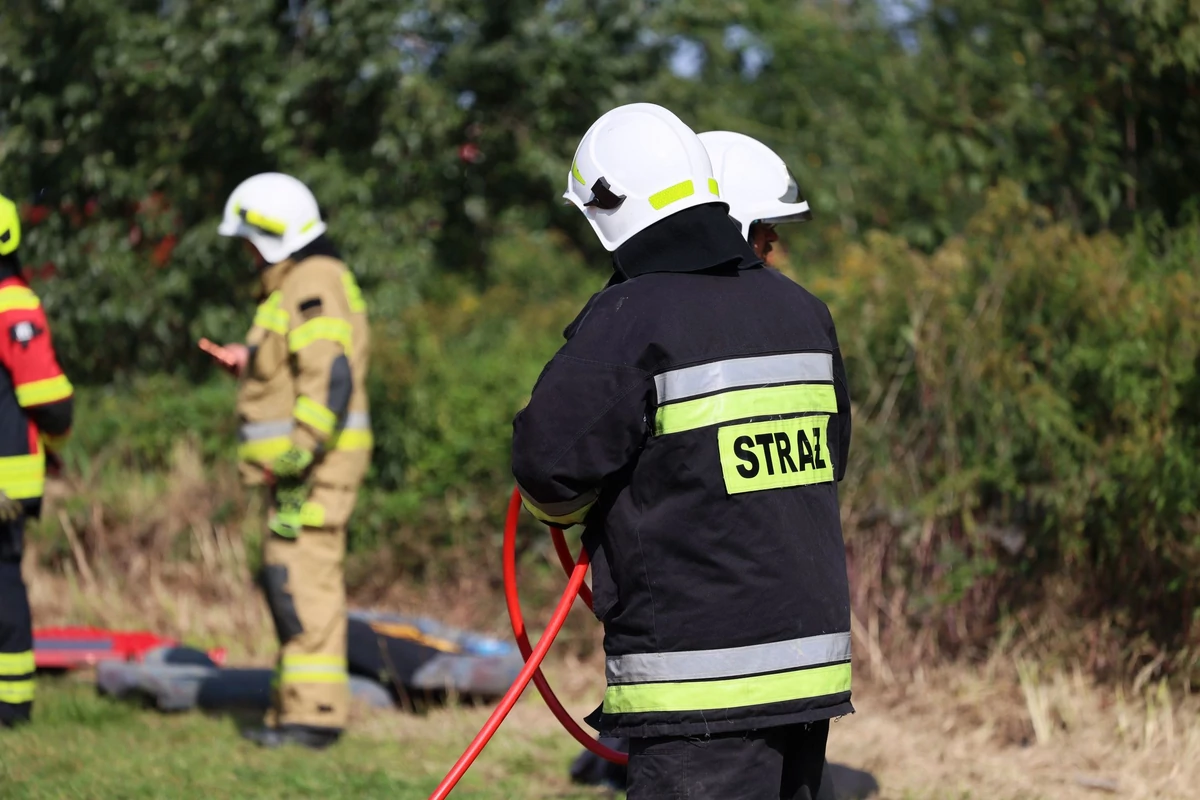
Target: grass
(85, 746)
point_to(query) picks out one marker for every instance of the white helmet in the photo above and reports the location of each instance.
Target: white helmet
(636, 165)
(754, 180)
(276, 212)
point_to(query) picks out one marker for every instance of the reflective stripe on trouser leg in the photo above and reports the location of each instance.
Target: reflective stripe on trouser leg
(16, 644)
(313, 687)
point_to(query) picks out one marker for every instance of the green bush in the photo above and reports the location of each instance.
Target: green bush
(1027, 412)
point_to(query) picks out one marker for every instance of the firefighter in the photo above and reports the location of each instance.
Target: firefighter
(758, 186)
(36, 407)
(306, 436)
(697, 422)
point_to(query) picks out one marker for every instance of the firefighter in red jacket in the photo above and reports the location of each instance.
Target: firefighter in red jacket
(35, 418)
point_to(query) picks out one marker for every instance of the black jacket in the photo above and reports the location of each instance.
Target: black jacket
(697, 420)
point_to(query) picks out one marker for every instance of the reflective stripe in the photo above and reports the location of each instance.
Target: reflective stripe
(576, 174)
(271, 316)
(274, 227)
(50, 390)
(734, 373)
(18, 298)
(778, 687)
(672, 194)
(568, 512)
(16, 692)
(358, 420)
(314, 669)
(690, 665)
(16, 664)
(23, 477)
(712, 187)
(266, 450)
(314, 415)
(768, 401)
(347, 439)
(353, 294)
(265, 440)
(270, 429)
(320, 329)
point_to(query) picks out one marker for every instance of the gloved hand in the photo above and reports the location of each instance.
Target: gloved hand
(288, 471)
(10, 509)
(291, 466)
(289, 500)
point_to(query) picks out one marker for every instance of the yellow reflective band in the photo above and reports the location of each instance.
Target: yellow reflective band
(314, 669)
(779, 687)
(574, 518)
(38, 393)
(10, 226)
(320, 329)
(767, 401)
(576, 174)
(271, 316)
(712, 187)
(352, 440)
(264, 451)
(308, 226)
(314, 415)
(353, 294)
(23, 477)
(16, 664)
(264, 223)
(660, 200)
(16, 692)
(18, 298)
(776, 454)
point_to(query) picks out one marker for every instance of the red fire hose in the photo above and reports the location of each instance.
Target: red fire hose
(576, 571)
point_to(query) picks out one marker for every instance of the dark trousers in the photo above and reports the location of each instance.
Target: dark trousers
(16, 631)
(784, 763)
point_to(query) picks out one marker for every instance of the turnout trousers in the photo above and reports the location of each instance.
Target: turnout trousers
(16, 630)
(304, 583)
(784, 763)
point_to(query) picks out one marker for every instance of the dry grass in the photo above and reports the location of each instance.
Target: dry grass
(170, 553)
(1010, 730)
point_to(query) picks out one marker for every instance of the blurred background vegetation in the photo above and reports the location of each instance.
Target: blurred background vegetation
(1006, 231)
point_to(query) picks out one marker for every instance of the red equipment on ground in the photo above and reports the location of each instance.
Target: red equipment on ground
(576, 570)
(72, 648)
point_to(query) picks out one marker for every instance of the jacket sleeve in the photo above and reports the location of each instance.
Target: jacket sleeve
(841, 389)
(586, 421)
(42, 389)
(319, 344)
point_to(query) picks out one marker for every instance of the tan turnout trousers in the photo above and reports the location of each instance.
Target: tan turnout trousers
(305, 386)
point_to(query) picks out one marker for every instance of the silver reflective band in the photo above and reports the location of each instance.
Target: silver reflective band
(734, 373)
(732, 662)
(272, 429)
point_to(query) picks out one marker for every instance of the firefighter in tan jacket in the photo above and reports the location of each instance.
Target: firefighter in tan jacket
(306, 436)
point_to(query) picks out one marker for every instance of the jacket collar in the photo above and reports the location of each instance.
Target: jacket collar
(273, 274)
(698, 239)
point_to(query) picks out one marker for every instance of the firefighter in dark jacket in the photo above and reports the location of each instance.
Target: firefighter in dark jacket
(697, 422)
(36, 402)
